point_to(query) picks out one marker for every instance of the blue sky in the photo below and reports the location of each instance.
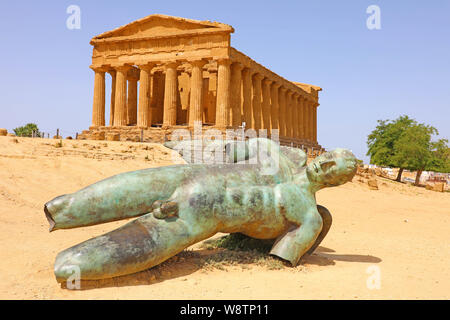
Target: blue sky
(366, 75)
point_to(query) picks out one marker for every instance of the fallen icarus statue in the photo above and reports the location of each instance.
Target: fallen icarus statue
(272, 197)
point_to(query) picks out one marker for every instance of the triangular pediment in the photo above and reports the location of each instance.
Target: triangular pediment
(158, 25)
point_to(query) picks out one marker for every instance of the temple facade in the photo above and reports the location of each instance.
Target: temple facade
(169, 72)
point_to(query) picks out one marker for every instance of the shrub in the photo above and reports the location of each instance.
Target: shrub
(27, 130)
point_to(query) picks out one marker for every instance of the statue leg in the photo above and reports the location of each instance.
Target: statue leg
(327, 221)
(119, 197)
(136, 246)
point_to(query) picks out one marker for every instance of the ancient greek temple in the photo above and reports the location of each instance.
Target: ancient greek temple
(169, 72)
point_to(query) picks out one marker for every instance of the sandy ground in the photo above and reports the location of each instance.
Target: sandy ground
(396, 237)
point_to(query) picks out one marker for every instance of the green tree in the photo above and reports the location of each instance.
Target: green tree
(27, 130)
(415, 150)
(406, 144)
(381, 142)
(441, 156)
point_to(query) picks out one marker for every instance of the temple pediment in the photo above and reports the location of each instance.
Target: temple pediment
(158, 26)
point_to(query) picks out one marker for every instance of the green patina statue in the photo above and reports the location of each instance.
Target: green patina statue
(263, 191)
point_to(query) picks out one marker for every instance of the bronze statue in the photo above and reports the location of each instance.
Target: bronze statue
(271, 197)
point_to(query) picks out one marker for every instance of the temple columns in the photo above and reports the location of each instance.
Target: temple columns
(120, 112)
(289, 114)
(301, 118)
(295, 123)
(132, 102)
(235, 99)
(311, 121)
(113, 96)
(223, 92)
(170, 95)
(144, 112)
(275, 107)
(256, 101)
(282, 114)
(315, 105)
(247, 97)
(98, 108)
(196, 100)
(305, 118)
(157, 97)
(266, 104)
(308, 120)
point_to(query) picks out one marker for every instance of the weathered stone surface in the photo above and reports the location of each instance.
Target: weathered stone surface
(99, 135)
(373, 184)
(188, 73)
(3, 132)
(378, 172)
(112, 136)
(439, 187)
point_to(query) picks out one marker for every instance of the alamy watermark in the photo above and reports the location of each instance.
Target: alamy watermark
(73, 22)
(373, 22)
(373, 282)
(238, 147)
(73, 282)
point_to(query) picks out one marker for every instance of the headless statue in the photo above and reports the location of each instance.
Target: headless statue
(271, 197)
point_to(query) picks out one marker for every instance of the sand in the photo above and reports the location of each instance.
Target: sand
(391, 243)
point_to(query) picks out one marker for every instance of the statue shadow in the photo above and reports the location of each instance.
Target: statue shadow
(184, 264)
(325, 256)
(190, 261)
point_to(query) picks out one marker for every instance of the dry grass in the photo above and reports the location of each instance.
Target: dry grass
(239, 250)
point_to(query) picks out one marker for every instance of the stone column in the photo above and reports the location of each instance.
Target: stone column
(212, 95)
(315, 105)
(247, 97)
(223, 92)
(196, 100)
(308, 120)
(157, 97)
(298, 117)
(235, 89)
(289, 114)
(301, 119)
(170, 95)
(311, 121)
(207, 107)
(305, 118)
(266, 105)
(144, 119)
(113, 97)
(98, 109)
(275, 106)
(282, 114)
(295, 125)
(132, 102)
(256, 101)
(120, 112)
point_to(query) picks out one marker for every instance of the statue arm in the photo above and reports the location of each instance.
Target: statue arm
(306, 225)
